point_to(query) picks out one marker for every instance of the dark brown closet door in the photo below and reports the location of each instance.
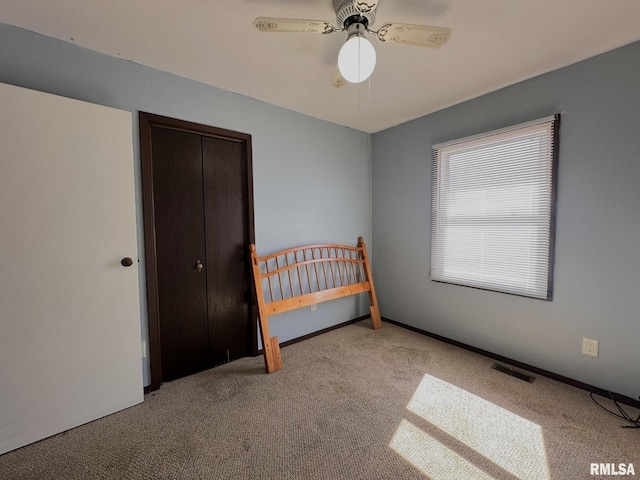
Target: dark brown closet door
(180, 244)
(198, 210)
(227, 235)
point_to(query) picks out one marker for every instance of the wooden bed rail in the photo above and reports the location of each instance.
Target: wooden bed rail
(303, 276)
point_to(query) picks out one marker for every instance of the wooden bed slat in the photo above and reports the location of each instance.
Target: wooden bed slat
(345, 270)
(306, 300)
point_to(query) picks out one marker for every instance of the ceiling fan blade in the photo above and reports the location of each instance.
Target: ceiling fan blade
(268, 24)
(365, 6)
(420, 35)
(338, 80)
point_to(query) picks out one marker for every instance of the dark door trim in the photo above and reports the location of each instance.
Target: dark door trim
(147, 122)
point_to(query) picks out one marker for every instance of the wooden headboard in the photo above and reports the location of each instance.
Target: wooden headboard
(303, 276)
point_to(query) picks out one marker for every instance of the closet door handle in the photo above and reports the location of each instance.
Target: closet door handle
(199, 266)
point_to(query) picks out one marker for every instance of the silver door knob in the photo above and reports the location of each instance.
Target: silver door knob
(199, 266)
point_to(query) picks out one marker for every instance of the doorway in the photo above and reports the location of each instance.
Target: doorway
(198, 220)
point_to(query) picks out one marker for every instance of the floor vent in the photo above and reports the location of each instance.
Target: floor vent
(513, 373)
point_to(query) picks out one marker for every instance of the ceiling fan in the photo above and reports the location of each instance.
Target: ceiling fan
(357, 57)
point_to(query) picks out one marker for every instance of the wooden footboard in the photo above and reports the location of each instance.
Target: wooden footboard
(306, 275)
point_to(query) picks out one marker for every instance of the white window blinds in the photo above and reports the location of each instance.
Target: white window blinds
(493, 209)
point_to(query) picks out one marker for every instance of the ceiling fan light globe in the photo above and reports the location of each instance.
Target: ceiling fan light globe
(357, 59)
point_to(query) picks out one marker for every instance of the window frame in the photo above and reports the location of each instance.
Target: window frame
(437, 170)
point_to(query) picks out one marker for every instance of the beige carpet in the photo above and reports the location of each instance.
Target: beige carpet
(350, 404)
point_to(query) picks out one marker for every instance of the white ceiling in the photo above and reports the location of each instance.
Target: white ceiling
(494, 43)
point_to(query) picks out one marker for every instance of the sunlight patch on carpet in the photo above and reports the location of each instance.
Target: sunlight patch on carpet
(511, 442)
(430, 456)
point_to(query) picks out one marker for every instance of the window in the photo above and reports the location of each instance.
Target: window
(493, 209)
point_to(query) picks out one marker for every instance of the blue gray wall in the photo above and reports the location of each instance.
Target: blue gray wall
(311, 178)
(597, 269)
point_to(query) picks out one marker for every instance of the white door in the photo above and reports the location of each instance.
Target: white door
(70, 347)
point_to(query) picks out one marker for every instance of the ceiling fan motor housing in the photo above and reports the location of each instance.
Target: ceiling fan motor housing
(347, 14)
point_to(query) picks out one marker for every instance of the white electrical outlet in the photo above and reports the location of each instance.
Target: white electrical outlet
(314, 307)
(590, 347)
